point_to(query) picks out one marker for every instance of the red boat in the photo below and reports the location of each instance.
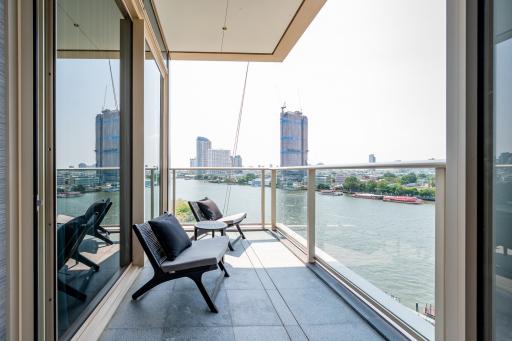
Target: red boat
(402, 199)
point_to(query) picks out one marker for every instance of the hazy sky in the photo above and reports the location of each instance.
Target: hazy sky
(370, 76)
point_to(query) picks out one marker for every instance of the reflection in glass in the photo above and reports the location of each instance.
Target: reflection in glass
(502, 190)
(152, 110)
(87, 120)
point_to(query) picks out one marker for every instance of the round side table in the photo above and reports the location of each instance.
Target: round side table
(211, 226)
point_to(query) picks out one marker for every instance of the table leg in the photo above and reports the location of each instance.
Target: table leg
(223, 233)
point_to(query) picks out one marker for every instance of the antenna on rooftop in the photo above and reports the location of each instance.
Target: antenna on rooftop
(283, 107)
(104, 98)
(300, 102)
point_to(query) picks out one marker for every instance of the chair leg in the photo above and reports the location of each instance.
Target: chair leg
(69, 290)
(106, 239)
(153, 282)
(202, 289)
(240, 230)
(82, 259)
(223, 268)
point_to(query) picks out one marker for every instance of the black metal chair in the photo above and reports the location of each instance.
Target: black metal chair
(232, 220)
(69, 237)
(203, 256)
(99, 208)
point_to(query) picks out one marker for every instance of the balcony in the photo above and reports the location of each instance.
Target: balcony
(271, 294)
(316, 264)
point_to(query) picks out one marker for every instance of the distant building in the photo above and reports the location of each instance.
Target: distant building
(107, 138)
(203, 147)
(294, 138)
(219, 158)
(193, 162)
(372, 158)
(108, 143)
(236, 161)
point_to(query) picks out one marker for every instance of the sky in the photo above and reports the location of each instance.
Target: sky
(370, 76)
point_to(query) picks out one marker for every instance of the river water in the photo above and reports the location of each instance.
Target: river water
(391, 245)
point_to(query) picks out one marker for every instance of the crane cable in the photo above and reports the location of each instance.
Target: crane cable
(237, 135)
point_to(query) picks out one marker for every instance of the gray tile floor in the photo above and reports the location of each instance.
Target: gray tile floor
(270, 295)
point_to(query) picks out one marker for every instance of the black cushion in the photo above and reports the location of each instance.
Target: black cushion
(209, 209)
(170, 234)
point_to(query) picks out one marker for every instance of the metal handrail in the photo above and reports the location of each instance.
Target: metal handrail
(376, 165)
(419, 329)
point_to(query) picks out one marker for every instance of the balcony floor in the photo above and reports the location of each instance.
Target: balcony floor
(271, 295)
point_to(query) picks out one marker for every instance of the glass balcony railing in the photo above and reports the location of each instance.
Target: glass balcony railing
(373, 226)
(78, 188)
(234, 191)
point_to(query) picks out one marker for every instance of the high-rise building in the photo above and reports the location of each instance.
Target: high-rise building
(236, 161)
(203, 147)
(219, 158)
(107, 138)
(372, 158)
(294, 138)
(193, 162)
(108, 144)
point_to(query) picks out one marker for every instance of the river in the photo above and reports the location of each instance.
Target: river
(392, 245)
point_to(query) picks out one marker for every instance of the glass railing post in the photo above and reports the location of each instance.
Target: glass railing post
(263, 198)
(152, 182)
(273, 201)
(440, 251)
(174, 191)
(311, 215)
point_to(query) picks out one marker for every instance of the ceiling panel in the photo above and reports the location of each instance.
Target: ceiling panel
(251, 26)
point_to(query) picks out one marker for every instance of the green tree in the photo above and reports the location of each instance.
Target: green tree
(428, 193)
(323, 186)
(78, 188)
(351, 184)
(183, 212)
(408, 179)
(371, 186)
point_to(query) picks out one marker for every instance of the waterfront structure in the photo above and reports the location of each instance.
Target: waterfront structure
(294, 138)
(372, 158)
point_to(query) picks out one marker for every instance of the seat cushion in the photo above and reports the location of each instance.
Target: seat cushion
(204, 252)
(210, 209)
(233, 219)
(170, 234)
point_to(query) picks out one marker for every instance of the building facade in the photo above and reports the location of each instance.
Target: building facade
(107, 138)
(203, 147)
(237, 161)
(294, 139)
(372, 158)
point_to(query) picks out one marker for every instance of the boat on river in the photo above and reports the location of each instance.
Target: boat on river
(368, 196)
(331, 192)
(402, 199)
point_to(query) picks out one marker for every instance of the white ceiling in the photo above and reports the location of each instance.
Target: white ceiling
(88, 25)
(253, 26)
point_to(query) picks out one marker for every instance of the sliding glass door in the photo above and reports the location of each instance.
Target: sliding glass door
(88, 118)
(495, 301)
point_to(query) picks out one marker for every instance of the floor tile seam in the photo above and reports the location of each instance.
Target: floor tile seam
(278, 291)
